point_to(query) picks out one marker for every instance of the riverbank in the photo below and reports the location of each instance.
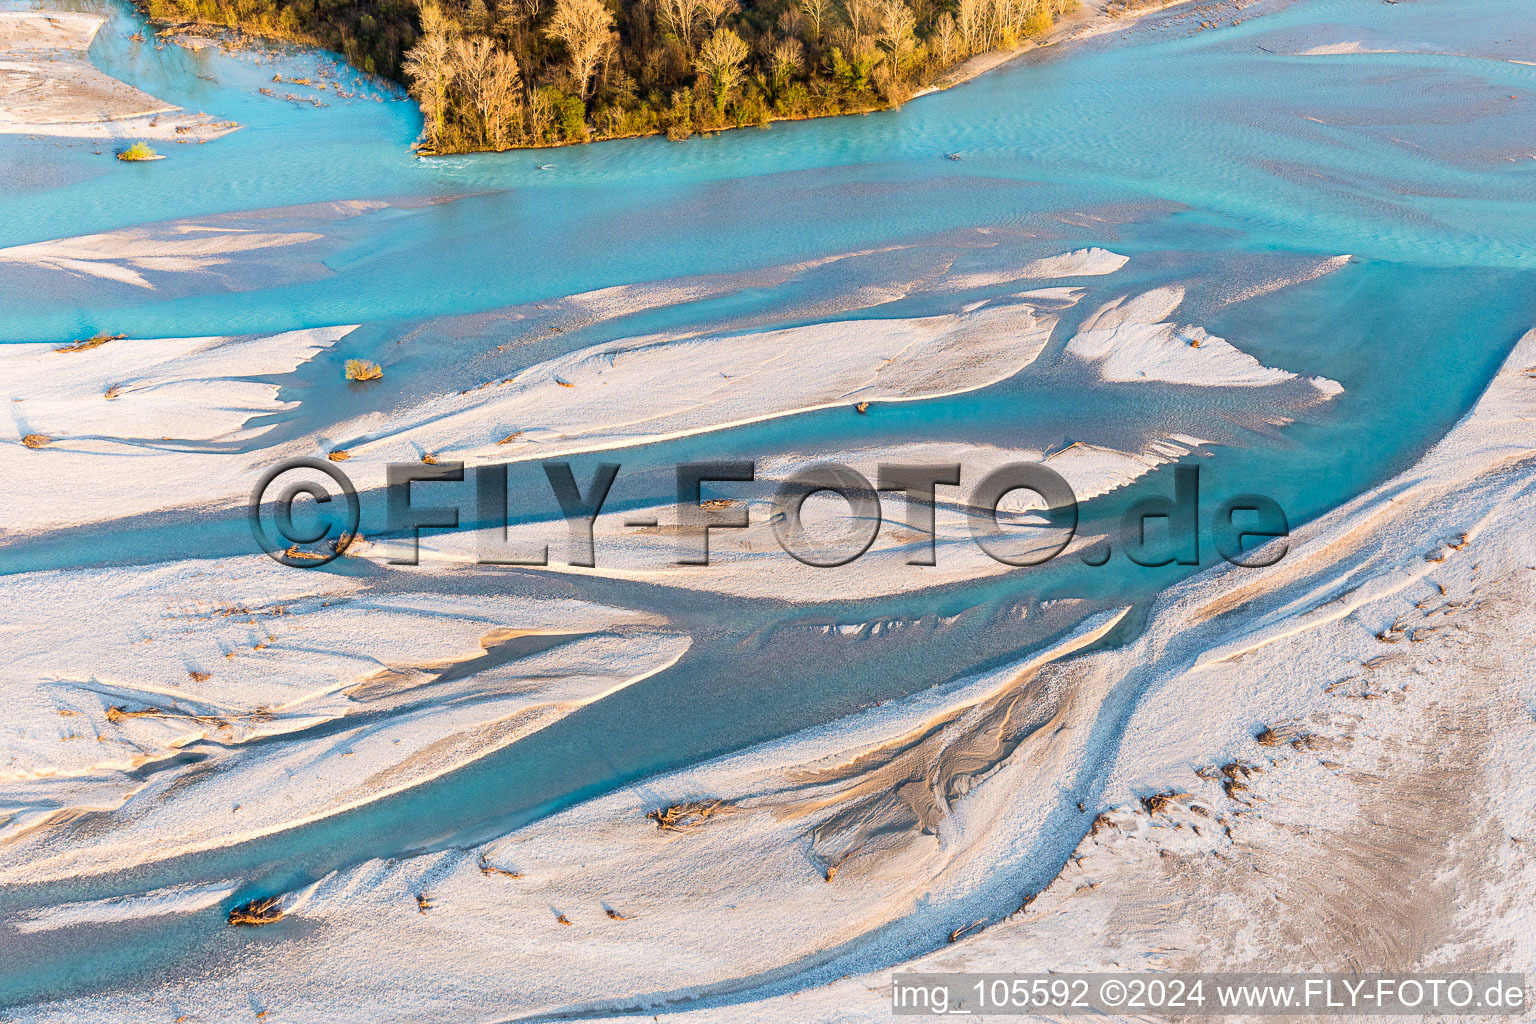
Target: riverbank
(836, 71)
(1091, 18)
(536, 792)
(1263, 728)
(1086, 20)
(49, 88)
(46, 90)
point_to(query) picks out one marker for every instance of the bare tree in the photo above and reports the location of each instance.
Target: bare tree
(897, 36)
(861, 16)
(679, 17)
(586, 28)
(968, 20)
(720, 60)
(541, 114)
(714, 11)
(476, 16)
(429, 69)
(816, 12)
(490, 81)
(469, 63)
(788, 58)
(946, 42)
(790, 22)
(504, 100)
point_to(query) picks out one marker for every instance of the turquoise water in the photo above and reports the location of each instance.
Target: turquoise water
(1213, 159)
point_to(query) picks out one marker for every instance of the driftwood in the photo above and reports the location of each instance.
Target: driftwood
(1159, 802)
(686, 815)
(487, 868)
(257, 912)
(89, 343)
(966, 929)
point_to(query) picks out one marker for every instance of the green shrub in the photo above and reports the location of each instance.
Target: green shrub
(572, 117)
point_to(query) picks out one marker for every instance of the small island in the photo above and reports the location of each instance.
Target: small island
(138, 153)
(506, 74)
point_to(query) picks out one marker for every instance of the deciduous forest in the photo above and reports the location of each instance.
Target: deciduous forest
(498, 74)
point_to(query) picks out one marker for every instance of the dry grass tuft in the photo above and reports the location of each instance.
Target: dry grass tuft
(1233, 776)
(200, 677)
(363, 369)
(339, 455)
(36, 440)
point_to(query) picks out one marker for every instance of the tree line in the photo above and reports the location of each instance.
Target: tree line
(373, 35)
(498, 74)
